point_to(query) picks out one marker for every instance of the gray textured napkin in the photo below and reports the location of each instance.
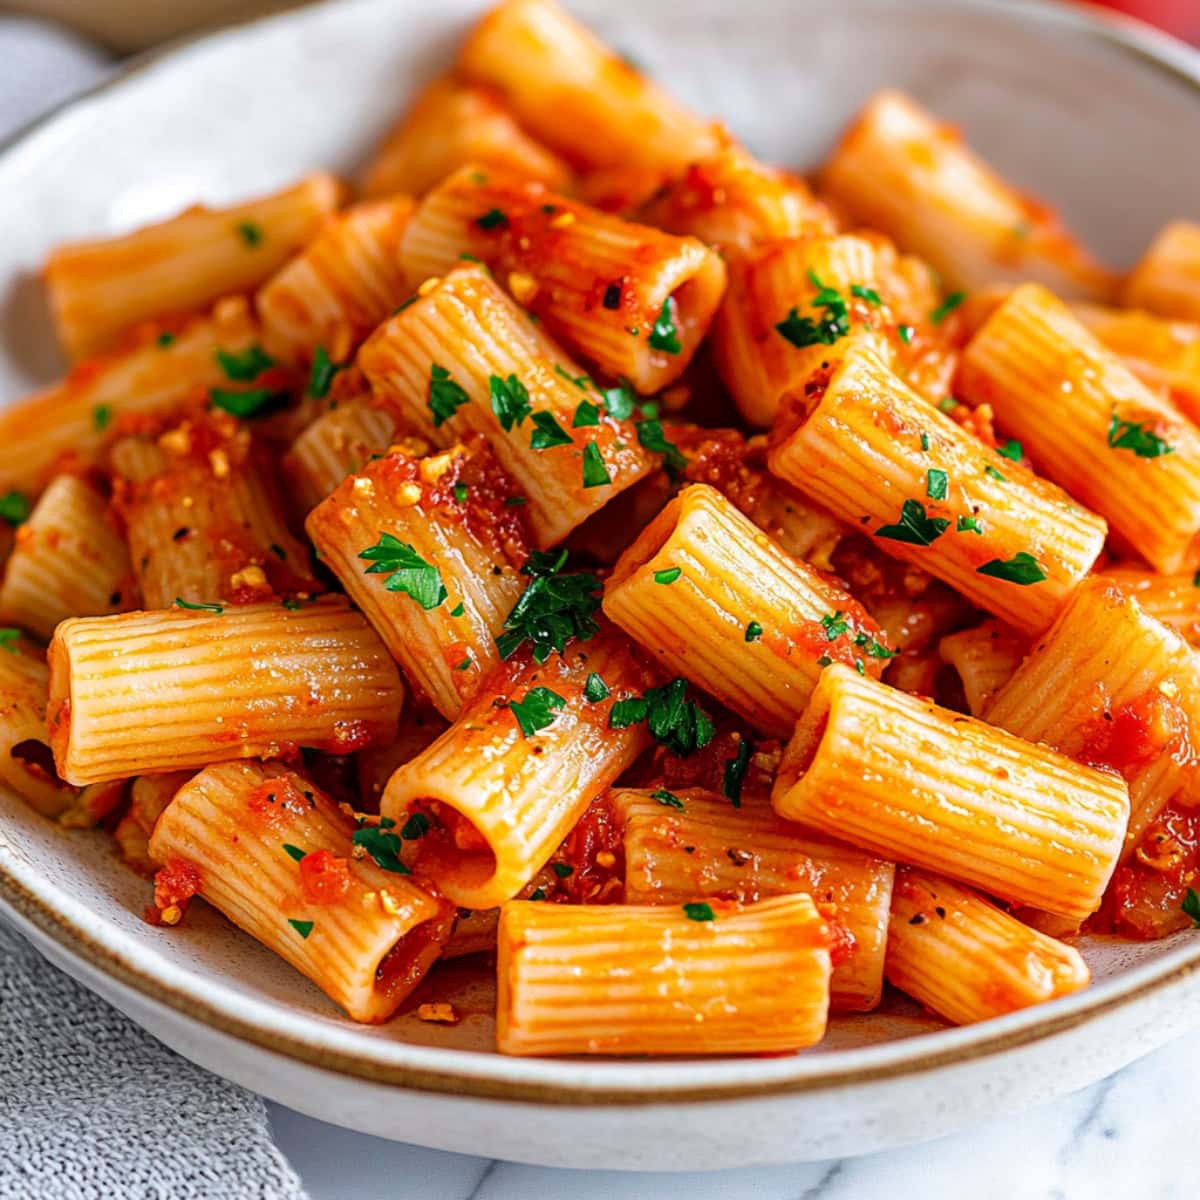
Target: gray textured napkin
(92, 1108)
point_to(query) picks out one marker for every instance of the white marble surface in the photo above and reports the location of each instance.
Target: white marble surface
(1121, 1138)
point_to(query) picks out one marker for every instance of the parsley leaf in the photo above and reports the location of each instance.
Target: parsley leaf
(870, 295)
(834, 624)
(990, 470)
(244, 365)
(872, 647)
(211, 608)
(914, 527)
(461, 492)
(1191, 906)
(947, 306)
(101, 416)
(492, 219)
(968, 525)
(651, 437)
(548, 432)
(586, 413)
(552, 610)
(675, 721)
(580, 381)
(667, 799)
(563, 870)
(668, 576)
(14, 508)
(699, 910)
(595, 689)
(321, 375)
(446, 396)
(1011, 450)
(1135, 436)
(906, 333)
(382, 845)
(255, 402)
(1022, 569)
(595, 473)
(735, 772)
(417, 826)
(936, 483)
(510, 400)
(294, 851)
(408, 572)
(620, 401)
(252, 234)
(9, 639)
(833, 325)
(303, 928)
(664, 336)
(537, 710)
(753, 631)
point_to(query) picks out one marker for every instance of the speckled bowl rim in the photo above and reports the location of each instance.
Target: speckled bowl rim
(39, 906)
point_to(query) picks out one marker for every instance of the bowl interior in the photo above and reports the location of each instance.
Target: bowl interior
(1087, 120)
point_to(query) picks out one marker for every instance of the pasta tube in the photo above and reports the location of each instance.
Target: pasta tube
(1089, 424)
(691, 843)
(576, 95)
(1171, 599)
(144, 693)
(452, 123)
(451, 552)
(1109, 685)
(704, 978)
(1166, 279)
(874, 453)
(985, 658)
(631, 299)
(716, 600)
(99, 288)
(960, 955)
(507, 781)
(69, 561)
(899, 171)
(464, 359)
(910, 781)
(277, 857)
(339, 287)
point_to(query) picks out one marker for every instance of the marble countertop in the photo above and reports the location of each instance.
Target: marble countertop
(1118, 1138)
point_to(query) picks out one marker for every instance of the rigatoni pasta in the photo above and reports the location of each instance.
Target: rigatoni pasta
(276, 856)
(1166, 279)
(629, 299)
(985, 658)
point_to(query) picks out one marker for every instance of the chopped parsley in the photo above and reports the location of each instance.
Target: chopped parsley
(466, 664)
(303, 928)
(321, 375)
(417, 826)
(382, 845)
(870, 295)
(968, 525)
(595, 689)
(407, 571)
(461, 492)
(292, 605)
(753, 631)
(516, 501)
(580, 381)
(906, 333)
(510, 401)
(1191, 906)
(669, 575)
(9, 639)
(735, 772)
(458, 609)
(252, 403)
(101, 416)
(675, 721)
(699, 910)
(548, 432)
(538, 894)
(1022, 569)
(164, 339)
(446, 396)
(620, 401)
(925, 441)
(14, 508)
(537, 710)
(947, 404)
(250, 232)
(492, 219)
(947, 306)
(651, 437)
(833, 325)
(278, 551)
(990, 470)
(294, 851)
(563, 870)
(552, 610)
(936, 483)
(1011, 450)
(664, 336)
(586, 413)
(1136, 437)
(210, 608)
(595, 473)
(872, 647)
(914, 527)
(834, 624)
(244, 365)
(667, 799)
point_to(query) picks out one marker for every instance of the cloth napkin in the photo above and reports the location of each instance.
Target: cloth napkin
(91, 1107)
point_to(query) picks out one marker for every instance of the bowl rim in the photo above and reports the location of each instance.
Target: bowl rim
(81, 935)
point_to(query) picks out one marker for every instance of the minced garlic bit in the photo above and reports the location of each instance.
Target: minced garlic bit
(171, 915)
(606, 859)
(1169, 688)
(523, 286)
(562, 220)
(432, 469)
(249, 577)
(429, 285)
(175, 441)
(388, 904)
(439, 1014)
(219, 461)
(408, 494)
(364, 486)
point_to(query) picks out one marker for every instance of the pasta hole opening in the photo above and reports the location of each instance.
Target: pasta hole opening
(409, 960)
(453, 847)
(648, 543)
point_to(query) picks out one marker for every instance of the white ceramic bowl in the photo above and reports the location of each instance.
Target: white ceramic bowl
(1101, 119)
